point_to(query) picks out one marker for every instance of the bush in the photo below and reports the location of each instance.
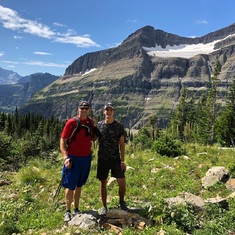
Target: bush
(9, 228)
(143, 139)
(231, 169)
(166, 146)
(183, 216)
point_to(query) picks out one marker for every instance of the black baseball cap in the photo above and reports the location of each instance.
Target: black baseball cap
(108, 105)
(84, 104)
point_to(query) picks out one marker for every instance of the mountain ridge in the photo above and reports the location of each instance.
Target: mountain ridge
(8, 77)
(137, 83)
(15, 95)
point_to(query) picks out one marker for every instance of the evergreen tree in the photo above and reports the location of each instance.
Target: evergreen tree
(153, 122)
(225, 125)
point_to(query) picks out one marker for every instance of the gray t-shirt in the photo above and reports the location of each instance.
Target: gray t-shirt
(109, 140)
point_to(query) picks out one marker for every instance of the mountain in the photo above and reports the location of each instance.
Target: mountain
(8, 77)
(15, 95)
(144, 75)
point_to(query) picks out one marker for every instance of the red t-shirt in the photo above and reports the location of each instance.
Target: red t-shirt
(81, 144)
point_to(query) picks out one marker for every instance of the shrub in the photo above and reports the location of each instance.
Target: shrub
(143, 139)
(183, 215)
(231, 169)
(9, 228)
(168, 147)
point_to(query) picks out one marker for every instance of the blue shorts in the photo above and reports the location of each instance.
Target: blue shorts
(78, 175)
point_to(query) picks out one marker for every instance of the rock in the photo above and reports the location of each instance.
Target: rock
(122, 219)
(230, 184)
(84, 221)
(218, 200)
(194, 200)
(214, 175)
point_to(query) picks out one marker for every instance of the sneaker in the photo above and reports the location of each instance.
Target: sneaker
(67, 216)
(103, 211)
(123, 206)
(76, 212)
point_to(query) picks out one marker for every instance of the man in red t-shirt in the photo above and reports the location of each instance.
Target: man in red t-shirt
(77, 157)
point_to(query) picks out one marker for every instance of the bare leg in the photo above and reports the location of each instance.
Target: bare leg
(76, 196)
(122, 188)
(68, 198)
(103, 192)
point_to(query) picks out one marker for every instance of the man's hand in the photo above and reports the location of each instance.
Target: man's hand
(68, 163)
(123, 166)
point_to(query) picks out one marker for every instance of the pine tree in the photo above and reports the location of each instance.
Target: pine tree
(225, 125)
(153, 122)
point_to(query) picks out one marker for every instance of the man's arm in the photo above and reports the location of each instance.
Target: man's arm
(96, 133)
(64, 152)
(122, 152)
(63, 147)
(122, 148)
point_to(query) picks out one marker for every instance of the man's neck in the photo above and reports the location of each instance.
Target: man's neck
(82, 117)
(109, 120)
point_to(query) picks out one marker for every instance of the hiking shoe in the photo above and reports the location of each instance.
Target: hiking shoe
(123, 206)
(76, 212)
(67, 216)
(103, 211)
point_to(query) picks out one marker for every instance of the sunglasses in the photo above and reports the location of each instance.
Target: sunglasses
(84, 108)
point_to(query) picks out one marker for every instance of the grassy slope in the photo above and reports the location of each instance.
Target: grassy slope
(27, 206)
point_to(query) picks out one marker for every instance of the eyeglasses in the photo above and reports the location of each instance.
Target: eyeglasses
(84, 108)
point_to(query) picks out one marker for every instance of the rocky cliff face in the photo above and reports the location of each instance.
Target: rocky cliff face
(142, 76)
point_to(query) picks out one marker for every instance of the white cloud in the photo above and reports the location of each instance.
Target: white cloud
(10, 19)
(46, 64)
(58, 24)
(41, 53)
(202, 22)
(132, 21)
(37, 63)
(1, 53)
(10, 66)
(17, 37)
(10, 62)
(77, 40)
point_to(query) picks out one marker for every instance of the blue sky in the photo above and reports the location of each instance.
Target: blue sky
(48, 35)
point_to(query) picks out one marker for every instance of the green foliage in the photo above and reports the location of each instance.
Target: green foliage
(183, 216)
(231, 169)
(9, 228)
(30, 175)
(143, 140)
(225, 123)
(167, 146)
(27, 136)
(6, 148)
